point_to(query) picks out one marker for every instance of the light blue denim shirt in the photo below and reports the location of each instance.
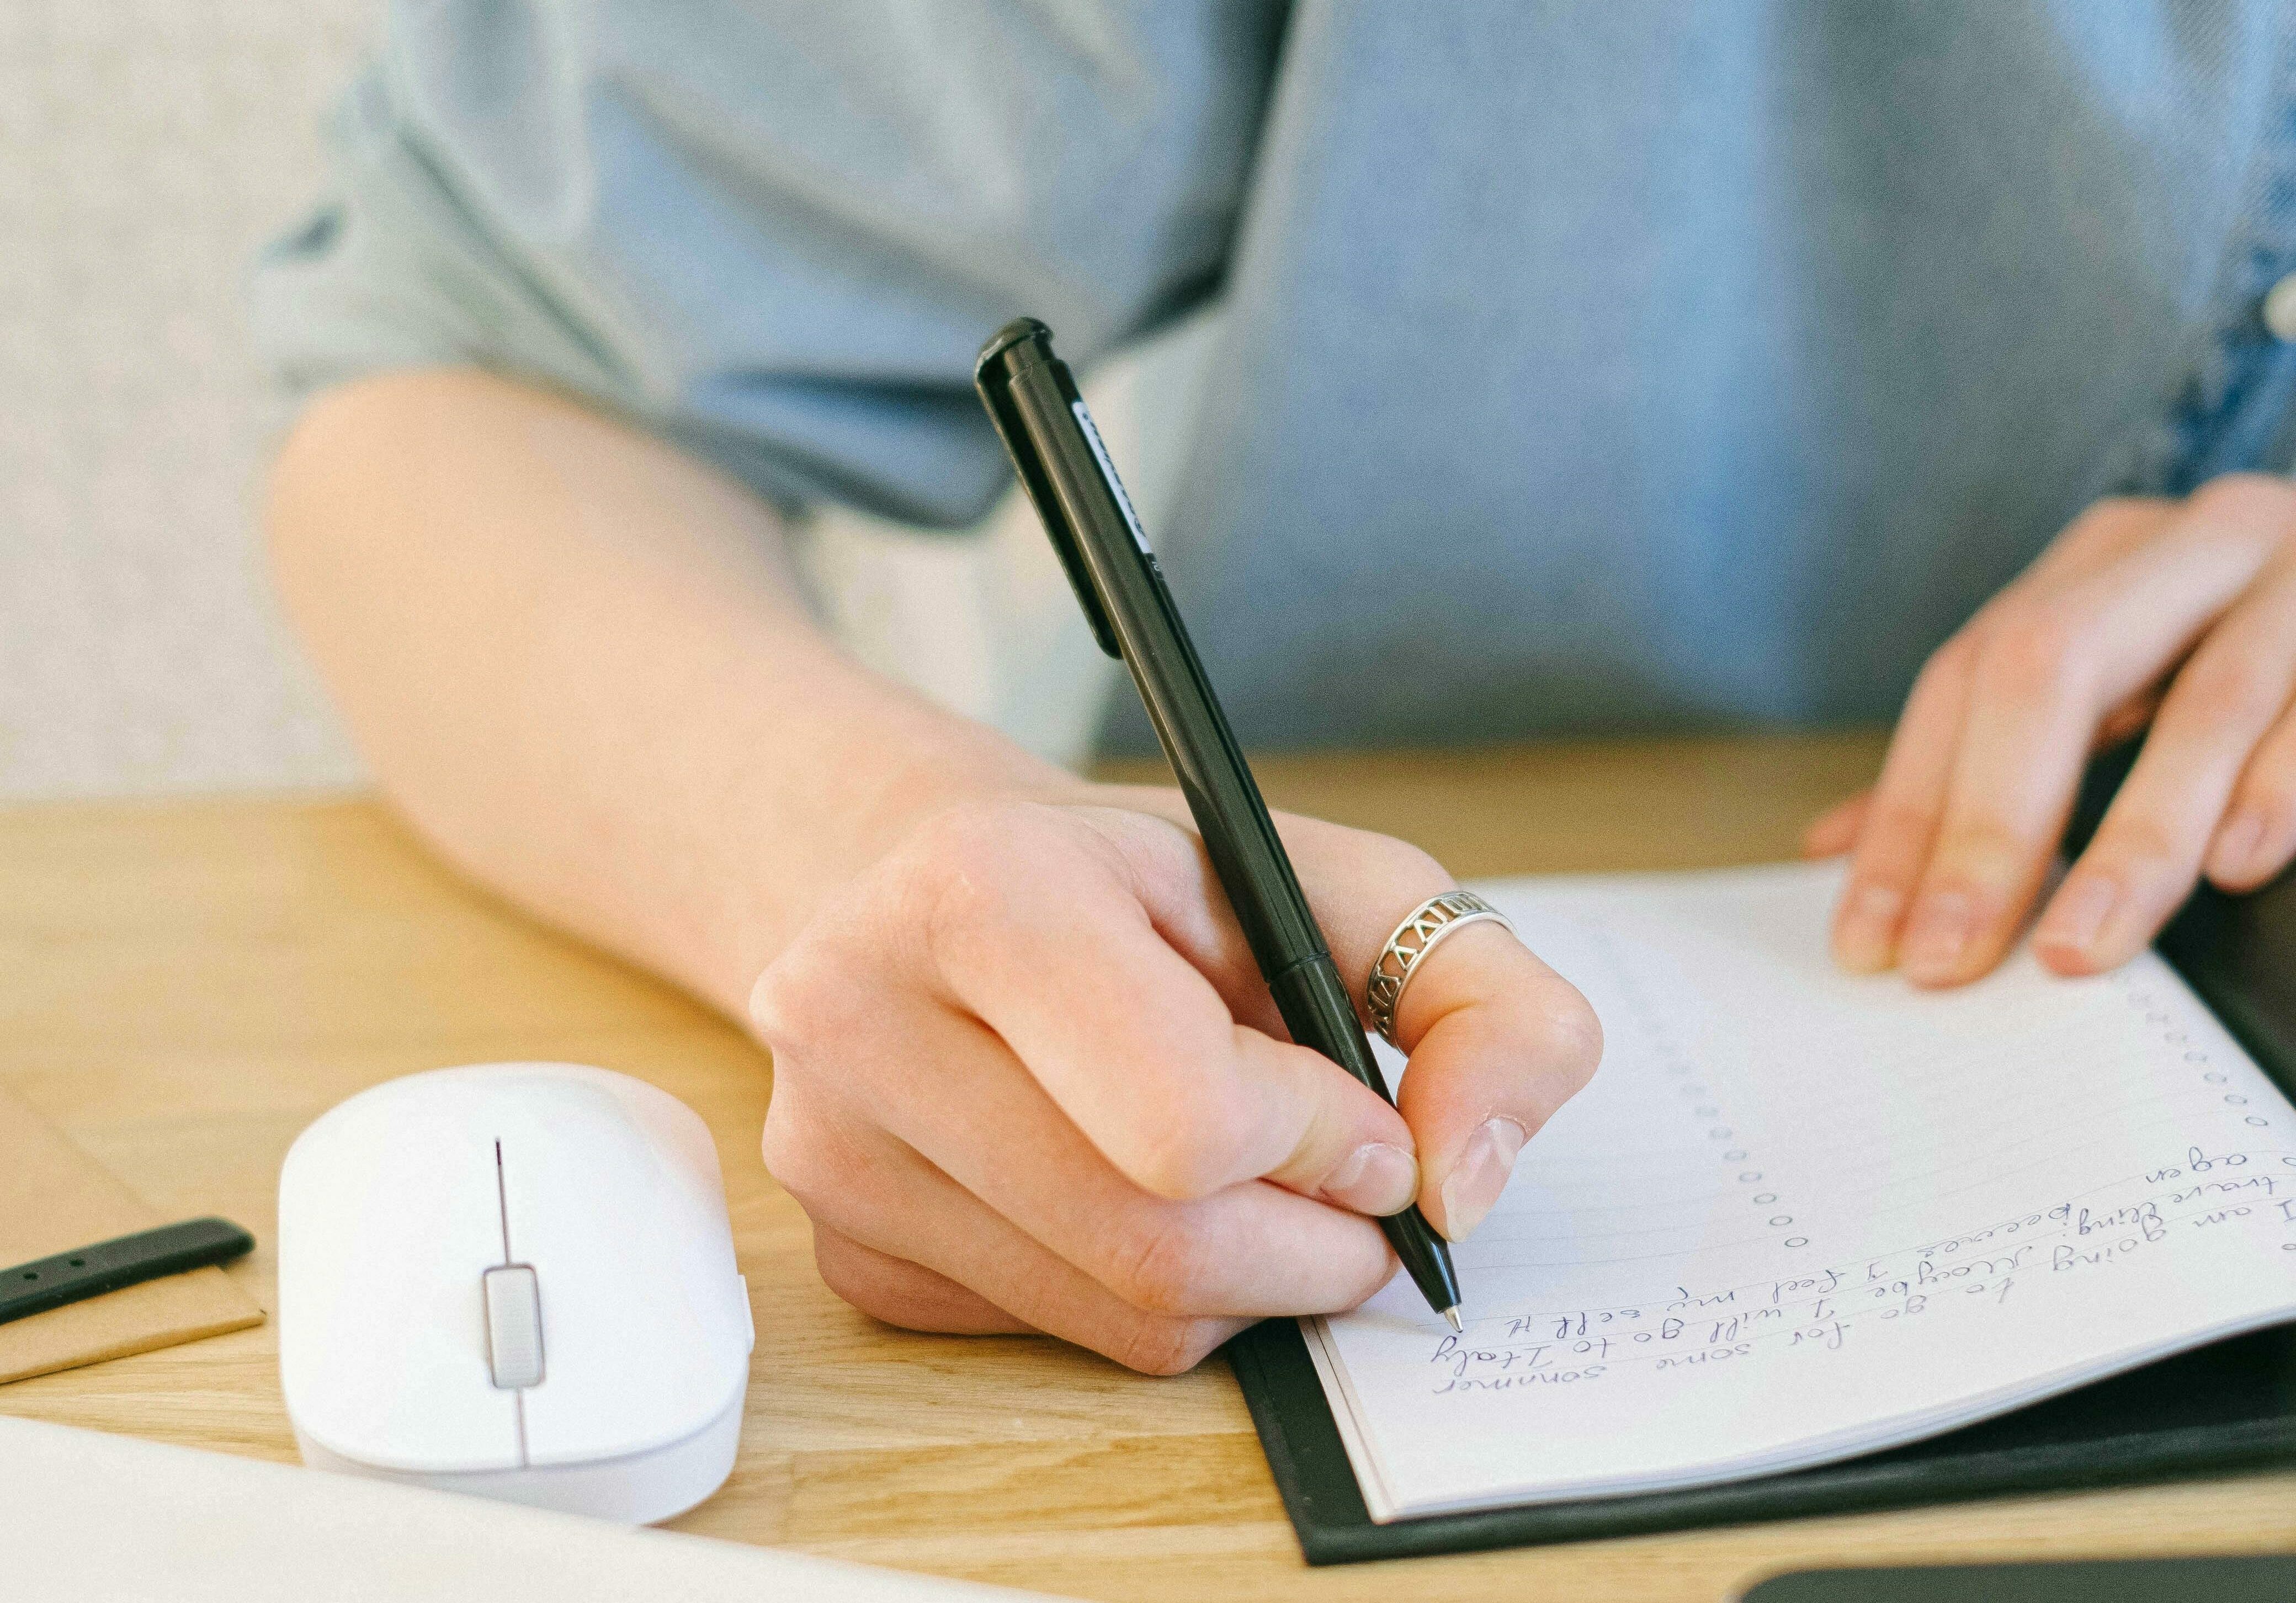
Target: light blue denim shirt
(1585, 366)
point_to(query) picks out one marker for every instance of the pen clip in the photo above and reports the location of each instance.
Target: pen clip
(994, 379)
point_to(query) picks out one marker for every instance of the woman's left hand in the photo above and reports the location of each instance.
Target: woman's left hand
(2181, 614)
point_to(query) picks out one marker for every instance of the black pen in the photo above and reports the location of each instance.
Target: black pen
(1033, 399)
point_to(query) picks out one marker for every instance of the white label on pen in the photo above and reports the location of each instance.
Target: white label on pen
(1116, 484)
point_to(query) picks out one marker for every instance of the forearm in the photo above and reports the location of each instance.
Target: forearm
(577, 661)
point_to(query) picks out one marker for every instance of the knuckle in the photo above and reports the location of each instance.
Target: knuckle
(1575, 1035)
(1156, 1345)
(787, 1155)
(807, 994)
(1952, 659)
(2110, 524)
(801, 1162)
(972, 832)
(2244, 497)
(1162, 1265)
(778, 1004)
(969, 870)
(955, 856)
(2107, 522)
(2035, 653)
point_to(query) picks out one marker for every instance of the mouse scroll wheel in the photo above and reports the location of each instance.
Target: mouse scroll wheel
(514, 1326)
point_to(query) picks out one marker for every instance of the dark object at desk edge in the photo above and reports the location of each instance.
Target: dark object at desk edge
(79, 1273)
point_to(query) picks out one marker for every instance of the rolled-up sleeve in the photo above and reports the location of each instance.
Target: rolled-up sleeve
(777, 233)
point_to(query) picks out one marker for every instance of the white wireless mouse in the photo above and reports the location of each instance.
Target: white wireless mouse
(515, 1279)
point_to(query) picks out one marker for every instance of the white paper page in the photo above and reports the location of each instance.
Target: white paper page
(1801, 1214)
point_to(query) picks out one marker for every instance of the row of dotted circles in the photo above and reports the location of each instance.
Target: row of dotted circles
(1680, 1068)
(2157, 1016)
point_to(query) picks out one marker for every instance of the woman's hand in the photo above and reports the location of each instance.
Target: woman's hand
(1026, 1077)
(2178, 613)
(1025, 1072)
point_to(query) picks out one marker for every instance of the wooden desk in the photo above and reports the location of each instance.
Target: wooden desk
(184, 986)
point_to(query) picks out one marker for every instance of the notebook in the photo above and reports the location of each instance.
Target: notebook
(1801, 1216)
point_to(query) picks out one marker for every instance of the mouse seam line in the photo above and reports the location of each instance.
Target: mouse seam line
(517, 1398)
(502, 1199)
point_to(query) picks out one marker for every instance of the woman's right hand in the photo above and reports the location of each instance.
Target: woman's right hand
(1026, 1077)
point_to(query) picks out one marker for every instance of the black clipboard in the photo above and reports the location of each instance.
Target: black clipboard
(2223, 1408)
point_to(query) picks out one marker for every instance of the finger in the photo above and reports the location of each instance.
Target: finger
(1188, 907)
(1250, 1248)
(2104, 532)
(1039, 929)
(1836, 830)
(2016, 759)
(2100, 536)
(2147, 852)
(919, 1215)
(1901, 823)
(905, 1294)
(1497, 1040)
(1488, 1067)
(2258, 836)
(1901, 817)
(2049, 668)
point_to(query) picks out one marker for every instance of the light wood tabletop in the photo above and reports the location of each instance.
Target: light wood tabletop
(185, 985)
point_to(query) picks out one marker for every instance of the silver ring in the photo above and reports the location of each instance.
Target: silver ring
(1408, 946)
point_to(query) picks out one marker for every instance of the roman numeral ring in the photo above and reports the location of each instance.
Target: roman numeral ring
(1408, 946)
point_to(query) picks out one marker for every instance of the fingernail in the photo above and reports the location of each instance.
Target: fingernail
(1862, 935)
(1375, 1179)
(1936, 936)
(1480, 1174)
(2236, 843)
(2077, 914)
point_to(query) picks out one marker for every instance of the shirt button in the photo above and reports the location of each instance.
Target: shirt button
(2280, 308)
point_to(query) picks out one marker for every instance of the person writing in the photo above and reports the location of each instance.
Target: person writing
(1582, 368)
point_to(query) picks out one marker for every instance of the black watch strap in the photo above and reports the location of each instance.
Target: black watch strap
(86, 1272)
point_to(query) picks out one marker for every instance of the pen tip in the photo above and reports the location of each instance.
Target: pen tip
(1452, 1314)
